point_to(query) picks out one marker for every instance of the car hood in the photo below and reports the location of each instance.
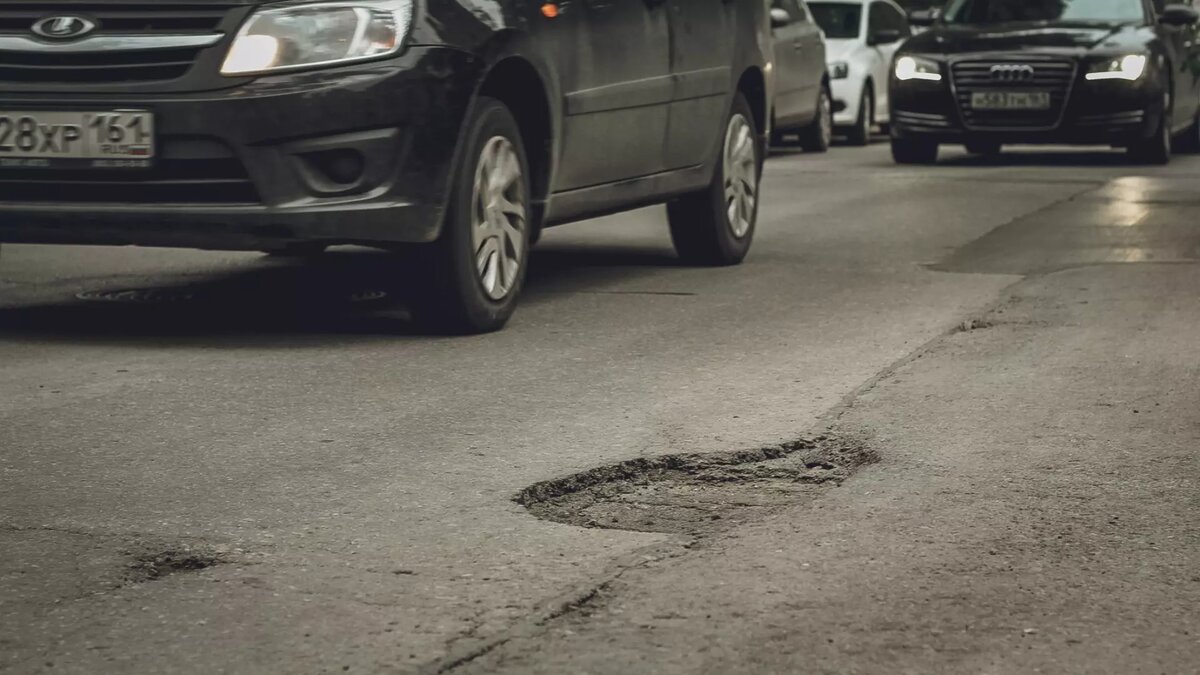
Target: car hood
(839, 50)
(1020, 37)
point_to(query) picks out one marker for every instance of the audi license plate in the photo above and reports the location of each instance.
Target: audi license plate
(1010, 100)
(110, 139)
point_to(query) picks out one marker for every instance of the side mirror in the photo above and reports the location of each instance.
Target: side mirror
(884, 36)
(1179, 15)
(923, 17)
(780, 17)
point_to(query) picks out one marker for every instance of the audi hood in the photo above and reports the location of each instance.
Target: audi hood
(1041, 38)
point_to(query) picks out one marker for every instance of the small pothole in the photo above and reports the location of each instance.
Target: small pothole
(156, 565)
(695, 493)
(974, 324)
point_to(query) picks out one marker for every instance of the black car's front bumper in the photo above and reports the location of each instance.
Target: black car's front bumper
(264, 163)
(1105, 112)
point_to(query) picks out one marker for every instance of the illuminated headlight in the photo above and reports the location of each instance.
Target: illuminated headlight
(917, 68)
(1129, 67)
(318, 34)
(839, 70)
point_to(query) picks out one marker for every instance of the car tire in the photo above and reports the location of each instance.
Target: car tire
(471, 277)
(913, 151)
(985, 148)
(715, 226)
(1189, 141)
(818, 135)
(860, 133)
(1157, 148)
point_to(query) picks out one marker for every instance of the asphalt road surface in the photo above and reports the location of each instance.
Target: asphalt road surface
(968, 396)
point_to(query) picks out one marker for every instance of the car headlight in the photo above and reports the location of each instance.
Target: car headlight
(318, 34)
(839, 70)
(917, 68)
(1128, 67)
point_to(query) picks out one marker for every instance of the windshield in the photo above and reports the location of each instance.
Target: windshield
(839, 20)
(1005, 11)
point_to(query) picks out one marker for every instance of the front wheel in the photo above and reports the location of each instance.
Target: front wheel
(818, 135)
(860, 133)
(913, 151)
(715, 226)
(1189, 141)
(1157, 148)
(474, 272)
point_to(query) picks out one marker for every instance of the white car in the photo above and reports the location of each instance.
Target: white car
(861, 37)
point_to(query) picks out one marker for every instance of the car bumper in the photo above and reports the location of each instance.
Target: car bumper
(360, 154)
(847, 98)
(1095, 113)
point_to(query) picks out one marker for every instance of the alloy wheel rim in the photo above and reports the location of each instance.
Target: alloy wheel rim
(498, 218)
(741, 176)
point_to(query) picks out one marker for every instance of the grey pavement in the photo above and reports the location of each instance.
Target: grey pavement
(346, 484)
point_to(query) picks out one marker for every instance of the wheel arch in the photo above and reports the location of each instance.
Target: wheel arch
(516, 82)
(753, 86)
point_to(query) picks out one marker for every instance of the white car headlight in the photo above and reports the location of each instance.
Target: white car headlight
(1128, 67)
(318, 34)
(839, 70)
(917, 68)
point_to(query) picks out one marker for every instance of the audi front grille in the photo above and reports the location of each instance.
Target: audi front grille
(1054, 77)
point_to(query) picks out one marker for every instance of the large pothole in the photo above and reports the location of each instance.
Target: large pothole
(696, 493)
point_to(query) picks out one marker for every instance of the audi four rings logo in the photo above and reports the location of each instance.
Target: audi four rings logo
(1012, 72)
(64, 27)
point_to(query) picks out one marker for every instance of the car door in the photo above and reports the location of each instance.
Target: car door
(702, 40)
(616, 111)
(798, 47)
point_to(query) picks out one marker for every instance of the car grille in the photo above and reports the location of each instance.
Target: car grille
(108, 66)
(181, 175)
(920, 120)
(1054, 77)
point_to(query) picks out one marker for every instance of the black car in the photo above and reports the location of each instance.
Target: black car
(988, 72)
(461, 127)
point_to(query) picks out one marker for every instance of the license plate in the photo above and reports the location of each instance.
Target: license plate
(110, 139)
(1010, 100)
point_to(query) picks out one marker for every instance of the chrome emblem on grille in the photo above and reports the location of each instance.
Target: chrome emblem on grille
(64, 27)
(1012, 72)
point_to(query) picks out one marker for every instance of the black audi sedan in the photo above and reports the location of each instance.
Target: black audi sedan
(988, 72)
(454, 129)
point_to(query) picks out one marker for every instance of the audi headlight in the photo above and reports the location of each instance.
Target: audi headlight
(917, 68)
(839, 70)
(318, 34)
(1128, 67)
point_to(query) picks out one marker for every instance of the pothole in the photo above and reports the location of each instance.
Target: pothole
(974, 324)
(695, 493)
(156, 565)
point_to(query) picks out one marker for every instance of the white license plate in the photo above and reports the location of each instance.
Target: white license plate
(1010, 100)
(114, 139)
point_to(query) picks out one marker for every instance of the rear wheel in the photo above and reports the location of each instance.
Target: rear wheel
(715, 226)
(817, 136)
(1157, 148)
(860, 133)
(913, 151)
(475, 271)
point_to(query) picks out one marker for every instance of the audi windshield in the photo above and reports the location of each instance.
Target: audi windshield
(1044, 11)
